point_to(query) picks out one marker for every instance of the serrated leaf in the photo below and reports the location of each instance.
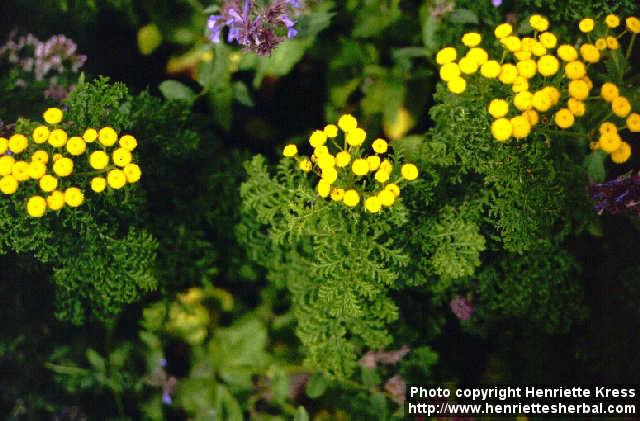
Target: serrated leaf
(172, 89)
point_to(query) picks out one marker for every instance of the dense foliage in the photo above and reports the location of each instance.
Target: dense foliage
(232, 282)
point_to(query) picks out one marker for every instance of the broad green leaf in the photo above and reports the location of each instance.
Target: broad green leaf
(301, 414)
(172, 89)
(316, 386)
(463, 16)
(594, 164)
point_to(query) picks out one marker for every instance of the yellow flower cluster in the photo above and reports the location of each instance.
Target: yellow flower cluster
(46, 159)
(545, 76)
(350, 176)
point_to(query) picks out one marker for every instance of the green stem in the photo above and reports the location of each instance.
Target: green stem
(630, 47)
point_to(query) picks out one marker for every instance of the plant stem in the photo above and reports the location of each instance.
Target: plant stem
(630, 47)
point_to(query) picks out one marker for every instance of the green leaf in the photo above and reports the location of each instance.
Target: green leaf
(370, 377)
(172, 89)
(429, 31)
(594, 164)
(242, 95)
(316, 386)
(463, 16)
(410, 147)
(301, 414)
(95, 360)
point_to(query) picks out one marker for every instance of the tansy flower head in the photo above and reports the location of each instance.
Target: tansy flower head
(36, 207)
(446, 55)
(633, 24)
(471, 39)
(612, 21)
(52, 115)
(290, 150)
(503, 30)
(347, 123)
(73, 197)
(586, 25)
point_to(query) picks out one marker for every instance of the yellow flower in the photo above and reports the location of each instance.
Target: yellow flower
(567, 52)
(318, 138)
(374, 162)
(37, 170)
(588, 82)
(468, 65)
(491, 69)
(576, 107)
(58, 138)
(532, 117)
(520, 127)
(564, 118)
(63, 167)
(633, 24)
(128, 142)
(331, 130)
(4, 145)
(523, 100)
(36, 206)
(612, 43)
(541, 100)
(289, 151)
(575, 70)
(330, 175)
(386, 166)
(351, 198)
(347, 122)
(386, 197)
(121, 157)
(382, 176)
(478, 54)
(498, 108)
(520, 84)
(98, 160)
(393, 188)
(98, 184)
(323, 188)
(621, 106)
(609, 91)
(609, 142)
(40, 134)
(20, 171)
(528, 43)
(55, 201)
(527, 68)
(608, 128)
(356, 136)
(503, 30)
(539, 23)
(337, 194)
(457, 85)
(360, 167)
(380, 146)
(548, 39)
(548, 65)
(90, 135)
(522, 55)
(342, 159)
(612, 21)
(305, 165)
(107, 136)
(633, 122)
(76, 146)
(52, 115)
(6, 164)
(372, 204)
(132, 172)
(579, 89)
(449, 71)
(501, 129)
(590, 53)
(508, 73)
(73, 196)
(446, 55)
(621, 154)
(471, 39)
(40, 156)
(538, 49)
(409, 172)
(18, 143)
(321, 150)
(586, 25)
(601, 44)
(8, 184)
(116, 179)
(511, 43)
(48, 183)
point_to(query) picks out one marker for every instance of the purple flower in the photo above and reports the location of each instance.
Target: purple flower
(166, 398)
(496, 3)
(257, 29)
(620, 195)
(462, 308)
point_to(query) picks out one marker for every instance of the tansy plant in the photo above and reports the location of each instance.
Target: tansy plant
(552, 83)
(348, 175)
(54, 169)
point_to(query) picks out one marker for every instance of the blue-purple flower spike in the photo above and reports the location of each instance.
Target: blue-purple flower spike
(620, 195)
(257, 29)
